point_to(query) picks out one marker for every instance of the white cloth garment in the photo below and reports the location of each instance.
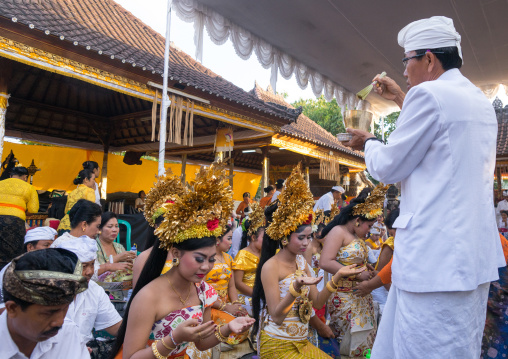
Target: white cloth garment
(40, 234)
(431, 33)
(443, 151)
(275, 195)
(236, 241)
(97, 195)
(84, 247)
(325, 202)
(432, 325)
(66, 344)
(2, 272)
(92, 309)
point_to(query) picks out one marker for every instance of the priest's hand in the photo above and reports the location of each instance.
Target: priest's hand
(358, 140)
(387, 88)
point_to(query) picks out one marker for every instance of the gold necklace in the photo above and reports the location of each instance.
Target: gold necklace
(174, 290)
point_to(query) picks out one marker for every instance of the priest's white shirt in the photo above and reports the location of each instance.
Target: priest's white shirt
(443, 151)
(66, 344)
(325, 202)
(92, 309)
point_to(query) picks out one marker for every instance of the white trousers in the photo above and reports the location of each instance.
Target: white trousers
(433, 325)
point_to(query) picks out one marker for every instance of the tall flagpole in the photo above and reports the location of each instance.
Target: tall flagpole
(165, 98)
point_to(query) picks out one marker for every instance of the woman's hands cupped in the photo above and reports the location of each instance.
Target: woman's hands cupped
(240, 324)
(191, 331)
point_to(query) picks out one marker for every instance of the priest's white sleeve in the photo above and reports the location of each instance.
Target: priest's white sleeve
(417, 126)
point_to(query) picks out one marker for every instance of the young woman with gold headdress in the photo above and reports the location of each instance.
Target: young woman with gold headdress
(284, 282)
(351, 317)
(173, 311)
(247, 259)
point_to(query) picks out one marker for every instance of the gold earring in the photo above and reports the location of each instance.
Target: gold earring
(176, 262)
(284, 242)
(358, 224)
(83, 229)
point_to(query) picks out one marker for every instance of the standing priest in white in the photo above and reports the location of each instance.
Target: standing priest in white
(443, 152)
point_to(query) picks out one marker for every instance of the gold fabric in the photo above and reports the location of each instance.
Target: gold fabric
(219, 277)
(248, 263)
(167, 266)
(81, 192)
(19, 194)
(389, 243)
(272, 348)
(352, 317)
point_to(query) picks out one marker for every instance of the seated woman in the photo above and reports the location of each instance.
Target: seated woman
(172, 312)
(247, 259)
(227, 307)
(107, 247)
(352, 318)
(284, 283)
(85, 181)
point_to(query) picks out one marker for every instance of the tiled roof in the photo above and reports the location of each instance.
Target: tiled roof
(304, 127)
(107, 28)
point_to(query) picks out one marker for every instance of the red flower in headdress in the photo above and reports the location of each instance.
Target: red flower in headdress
(309, 220)
(212, 224)
(169, 201)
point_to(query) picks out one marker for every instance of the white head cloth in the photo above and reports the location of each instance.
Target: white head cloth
(40, 234)
(84, 247)
(339, 188)
(431, 33)
(375, 230)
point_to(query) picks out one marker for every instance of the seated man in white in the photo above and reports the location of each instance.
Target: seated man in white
(38, 288)
(92, 308)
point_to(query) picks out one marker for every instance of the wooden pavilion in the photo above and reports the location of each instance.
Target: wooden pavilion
(86, 74)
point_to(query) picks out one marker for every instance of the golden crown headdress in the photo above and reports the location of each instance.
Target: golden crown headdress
(295, 207)
(202, 211)
(256, 218)
(163, 191)
(373, 205)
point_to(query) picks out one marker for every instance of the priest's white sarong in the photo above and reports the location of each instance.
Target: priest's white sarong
(432, 325)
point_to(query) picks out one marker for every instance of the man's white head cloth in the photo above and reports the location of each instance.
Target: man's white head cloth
(84, 247)
(40, 234)
(431, 33)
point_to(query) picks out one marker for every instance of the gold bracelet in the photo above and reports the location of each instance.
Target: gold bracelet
(236, 302)
(156, 353)
(222, 306)
(167, 346)
(335, 285)
(219, 335)
(293, 291)
(330, 287)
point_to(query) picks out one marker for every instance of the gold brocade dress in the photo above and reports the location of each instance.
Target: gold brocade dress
(81, 192)
(248, 263)
(352, 317)
(288, 340)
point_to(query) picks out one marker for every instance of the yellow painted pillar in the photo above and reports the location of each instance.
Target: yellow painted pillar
(4, 102)
(184, 164)
(265, 172)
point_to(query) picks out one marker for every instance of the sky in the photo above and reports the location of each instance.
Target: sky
(221, 59)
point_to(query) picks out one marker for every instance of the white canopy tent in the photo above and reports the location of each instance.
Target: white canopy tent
(338, 46)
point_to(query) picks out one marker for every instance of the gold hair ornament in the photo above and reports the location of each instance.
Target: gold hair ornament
(256, 218)
(373, 205)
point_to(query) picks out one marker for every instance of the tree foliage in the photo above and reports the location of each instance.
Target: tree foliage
(390, 122)
(327, 114)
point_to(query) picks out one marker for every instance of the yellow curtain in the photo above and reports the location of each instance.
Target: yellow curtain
(60, 165)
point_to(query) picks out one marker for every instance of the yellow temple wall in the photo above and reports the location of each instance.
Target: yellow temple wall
(60, 165)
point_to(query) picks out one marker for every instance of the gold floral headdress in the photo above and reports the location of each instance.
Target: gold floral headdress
(295, 207)
(202, 211)
(256, 218)
(164, 191)
(373, 205)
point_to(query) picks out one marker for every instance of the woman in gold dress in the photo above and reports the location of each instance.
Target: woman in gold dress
(352, 318)
(169, 315)
(284, 283)
(247, 259)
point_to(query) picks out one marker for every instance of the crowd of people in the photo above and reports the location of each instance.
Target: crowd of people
(297, 278)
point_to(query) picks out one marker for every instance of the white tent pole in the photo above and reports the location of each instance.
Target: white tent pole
(165, 98)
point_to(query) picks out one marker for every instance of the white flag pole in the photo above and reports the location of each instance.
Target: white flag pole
(165, 98)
